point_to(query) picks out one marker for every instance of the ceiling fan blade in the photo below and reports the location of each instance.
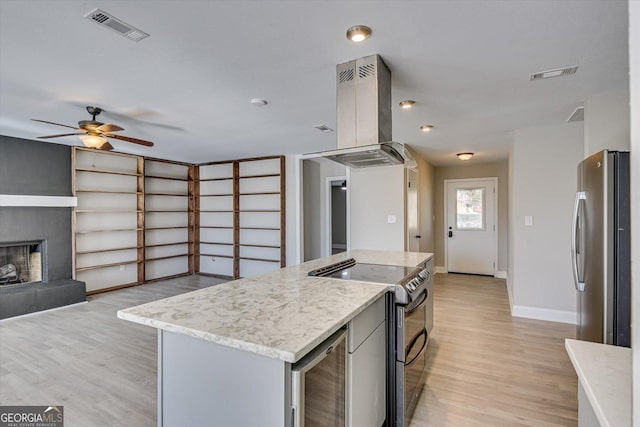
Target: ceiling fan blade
(57, 124)
(129, 139)
(106, 147)
(59, 135)
(109, 127)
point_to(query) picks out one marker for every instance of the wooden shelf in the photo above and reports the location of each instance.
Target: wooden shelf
(107, 172)
(259, 246)
(214, 179)
(216, 243)
(167, 178)
(97, 251)
(176, 211)
(216, 195)
(105, 211)
(166, 194)
(166, 228)
(239, 211)
(260, 228)
(216, 211)
(88, 190)
(114, 264)
(216, 226)
(216, 256)
(107, 231)
(261, 193)
(259, 259)
(266, 175)
(166, 244)
(166, 257)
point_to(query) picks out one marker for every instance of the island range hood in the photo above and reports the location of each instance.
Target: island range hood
(363, 109)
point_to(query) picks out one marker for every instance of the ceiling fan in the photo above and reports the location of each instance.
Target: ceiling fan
(93, 134)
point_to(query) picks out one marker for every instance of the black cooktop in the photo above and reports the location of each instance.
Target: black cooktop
(377, 273)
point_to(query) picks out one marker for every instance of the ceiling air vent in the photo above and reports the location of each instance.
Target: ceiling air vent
(103, 18)
(560, 72)
(577, 116)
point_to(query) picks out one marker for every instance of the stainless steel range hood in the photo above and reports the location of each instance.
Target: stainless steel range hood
(363, 107)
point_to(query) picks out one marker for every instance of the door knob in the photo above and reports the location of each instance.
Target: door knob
(450, 233)
(418, 236)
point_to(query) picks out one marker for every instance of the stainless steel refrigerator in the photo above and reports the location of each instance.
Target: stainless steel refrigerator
(601, 249)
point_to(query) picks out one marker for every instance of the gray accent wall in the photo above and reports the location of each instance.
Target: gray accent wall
(34, 168)
(38, 168)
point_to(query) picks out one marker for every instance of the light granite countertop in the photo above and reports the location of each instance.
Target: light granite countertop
(605, 374)
(283, 314)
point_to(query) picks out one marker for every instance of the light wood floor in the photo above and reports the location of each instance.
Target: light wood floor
(485, 368)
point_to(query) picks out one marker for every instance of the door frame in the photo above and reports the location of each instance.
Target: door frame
(495, 219)
(328, 204)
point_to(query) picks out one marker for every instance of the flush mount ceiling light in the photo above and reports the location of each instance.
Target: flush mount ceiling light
(323, 128)
(358, 33)
(464, 156)
(407, 104)
(426, 128)
(257, 102)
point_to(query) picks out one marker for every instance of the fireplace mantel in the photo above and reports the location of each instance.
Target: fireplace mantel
(38, 201)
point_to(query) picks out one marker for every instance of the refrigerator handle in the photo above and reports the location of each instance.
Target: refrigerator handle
(579, 281)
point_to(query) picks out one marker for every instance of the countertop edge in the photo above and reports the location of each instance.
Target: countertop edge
(585, 378)
(285, 356)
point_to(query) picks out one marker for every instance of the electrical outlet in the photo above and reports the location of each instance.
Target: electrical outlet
(391, 219)
(121, 267)
(528, 221)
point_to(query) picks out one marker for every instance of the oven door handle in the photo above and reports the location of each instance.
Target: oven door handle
(424, 334)
(423, 297)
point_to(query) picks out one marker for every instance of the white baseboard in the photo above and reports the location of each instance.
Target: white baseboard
(440, 269)
(501, 274)
(544, 314)
(510, 296)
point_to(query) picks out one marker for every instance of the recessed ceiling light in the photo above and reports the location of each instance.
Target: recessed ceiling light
(358, 33)
(464, 156)
(257, 102)
(426, 128)
(407, 104)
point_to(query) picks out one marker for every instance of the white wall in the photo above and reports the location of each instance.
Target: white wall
(544, 162)
(473, 170)
(426, 204)
(374, 194)
(606, 122)
(315, 174)
(634, 73)
(510, 230)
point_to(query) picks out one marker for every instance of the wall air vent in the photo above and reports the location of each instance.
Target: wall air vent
(577, 116)
(323, 128)
(103, 18)
(560, 72)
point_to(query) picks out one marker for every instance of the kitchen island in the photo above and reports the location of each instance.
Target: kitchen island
(225, 352)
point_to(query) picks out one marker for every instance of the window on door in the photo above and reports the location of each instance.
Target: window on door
(470, 209)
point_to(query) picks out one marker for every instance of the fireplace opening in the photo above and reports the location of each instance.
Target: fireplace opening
(21, 262)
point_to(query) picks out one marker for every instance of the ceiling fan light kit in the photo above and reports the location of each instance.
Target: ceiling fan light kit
(93, 134)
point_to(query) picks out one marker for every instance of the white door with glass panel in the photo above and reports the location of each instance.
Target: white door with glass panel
(470, 228)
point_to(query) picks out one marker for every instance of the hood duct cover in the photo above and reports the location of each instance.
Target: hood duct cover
(363, 110)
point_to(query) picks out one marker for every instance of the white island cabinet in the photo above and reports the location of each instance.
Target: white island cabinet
(225, 353)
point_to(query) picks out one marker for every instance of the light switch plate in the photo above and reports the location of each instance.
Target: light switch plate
(528, 220)
(391, 219)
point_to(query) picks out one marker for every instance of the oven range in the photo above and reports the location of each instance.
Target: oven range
(410, 321)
